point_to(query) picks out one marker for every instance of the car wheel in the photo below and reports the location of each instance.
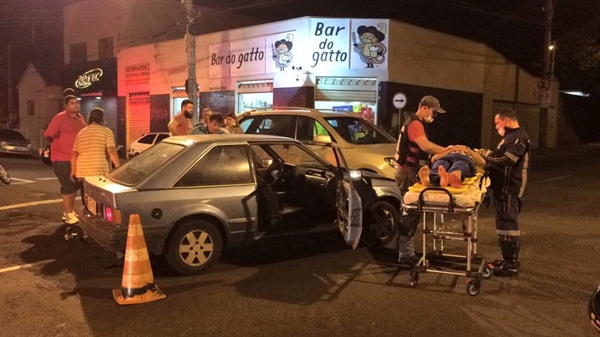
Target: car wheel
(382, 221)
(194, 247)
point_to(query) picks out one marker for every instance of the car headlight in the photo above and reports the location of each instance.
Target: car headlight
(355, 174)
(391, 161)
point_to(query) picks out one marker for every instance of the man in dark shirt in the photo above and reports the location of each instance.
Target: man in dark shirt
(213, 127)
(412, 152)
(508, 167)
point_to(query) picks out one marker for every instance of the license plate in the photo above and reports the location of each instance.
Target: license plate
(91, 205)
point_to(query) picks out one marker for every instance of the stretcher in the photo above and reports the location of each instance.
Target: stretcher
(463, 203)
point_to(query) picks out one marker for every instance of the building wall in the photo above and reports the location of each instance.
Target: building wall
(432, 59)
(129, 23)
(506, 84)
(47, 102)
(469, 77)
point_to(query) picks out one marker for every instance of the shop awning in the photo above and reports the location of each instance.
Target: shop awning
(346, 89)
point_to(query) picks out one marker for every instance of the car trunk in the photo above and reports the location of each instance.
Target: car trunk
(100, 197)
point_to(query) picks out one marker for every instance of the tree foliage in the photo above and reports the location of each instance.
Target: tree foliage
(578, 60)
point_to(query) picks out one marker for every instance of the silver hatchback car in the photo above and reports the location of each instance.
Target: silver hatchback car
(197, 195)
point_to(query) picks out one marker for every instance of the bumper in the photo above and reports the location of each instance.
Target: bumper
(114, 238)
(109, 236)
(25, 151)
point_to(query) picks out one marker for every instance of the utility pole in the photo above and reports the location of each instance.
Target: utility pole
(191, 85)
(10, 92)
(545, 100)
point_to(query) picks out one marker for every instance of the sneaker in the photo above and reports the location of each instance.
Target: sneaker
(71, 218)
(64, 216)
(504, 268)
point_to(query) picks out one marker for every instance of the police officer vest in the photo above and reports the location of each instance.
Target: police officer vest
(408, 153)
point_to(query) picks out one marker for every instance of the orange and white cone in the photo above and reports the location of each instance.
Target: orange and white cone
(137, 285)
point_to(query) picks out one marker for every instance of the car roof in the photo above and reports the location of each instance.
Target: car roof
(298, 111)
(228, 138)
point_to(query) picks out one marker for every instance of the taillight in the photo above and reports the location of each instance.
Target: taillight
(113, 215)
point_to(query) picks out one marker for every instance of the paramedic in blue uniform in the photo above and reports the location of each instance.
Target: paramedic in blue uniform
(412, 152)
(507, 167)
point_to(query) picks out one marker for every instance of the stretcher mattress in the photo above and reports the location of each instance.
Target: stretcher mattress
(466, 196)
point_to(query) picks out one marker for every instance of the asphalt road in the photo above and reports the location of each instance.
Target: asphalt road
(309, 286)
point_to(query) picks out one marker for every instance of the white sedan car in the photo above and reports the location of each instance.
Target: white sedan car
(146, 141)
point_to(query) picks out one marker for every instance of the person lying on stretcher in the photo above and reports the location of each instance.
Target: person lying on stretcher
(451, 167)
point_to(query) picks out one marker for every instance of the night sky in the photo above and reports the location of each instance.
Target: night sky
(33, 28)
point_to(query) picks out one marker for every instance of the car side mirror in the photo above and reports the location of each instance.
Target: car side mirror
(322, 139)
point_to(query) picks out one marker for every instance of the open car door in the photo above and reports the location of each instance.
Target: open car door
(349, 205)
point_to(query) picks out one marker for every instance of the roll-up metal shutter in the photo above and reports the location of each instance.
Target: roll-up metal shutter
(138, 116)
(109, 104)
(346, 89)
(255, 86)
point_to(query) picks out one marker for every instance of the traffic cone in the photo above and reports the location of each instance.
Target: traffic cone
(138, 281)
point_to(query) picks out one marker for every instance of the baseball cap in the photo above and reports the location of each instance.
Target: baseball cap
(432, 102)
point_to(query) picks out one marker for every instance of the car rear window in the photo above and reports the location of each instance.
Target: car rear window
(140, 167)
(11, 135)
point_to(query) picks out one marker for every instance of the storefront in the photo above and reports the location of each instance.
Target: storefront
(353, 65)
(95, 83)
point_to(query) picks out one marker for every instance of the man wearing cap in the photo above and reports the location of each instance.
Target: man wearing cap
(412, 152)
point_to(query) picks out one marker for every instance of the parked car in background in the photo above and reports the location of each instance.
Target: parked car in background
(147, 140)
(364, 144)
(197, 195)
(13, 142)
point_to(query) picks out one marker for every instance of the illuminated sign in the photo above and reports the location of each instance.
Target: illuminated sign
(88, 78)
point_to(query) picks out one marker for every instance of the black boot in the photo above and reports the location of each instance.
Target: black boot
(509, 265)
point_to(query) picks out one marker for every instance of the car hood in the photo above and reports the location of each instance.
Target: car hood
(375, 176)
(383, 186)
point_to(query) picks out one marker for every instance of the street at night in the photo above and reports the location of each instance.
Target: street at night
(306, 286)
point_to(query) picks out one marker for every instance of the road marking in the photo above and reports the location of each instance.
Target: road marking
(32, 203)
(23, 180)
(23, 266)
(53, 178)
(551, 179)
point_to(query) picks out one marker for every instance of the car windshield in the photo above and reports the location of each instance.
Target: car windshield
(359, 131)
(140, 167)
(11, 135)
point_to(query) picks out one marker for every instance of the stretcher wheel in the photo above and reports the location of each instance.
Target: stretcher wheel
(473, 287)
(413, 278)
(486, 272)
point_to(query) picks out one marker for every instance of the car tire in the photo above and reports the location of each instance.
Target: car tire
(203, 241)
(382, 223)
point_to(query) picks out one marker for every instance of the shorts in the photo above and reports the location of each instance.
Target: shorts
(62, 170)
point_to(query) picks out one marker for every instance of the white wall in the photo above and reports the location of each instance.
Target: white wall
(46, 105)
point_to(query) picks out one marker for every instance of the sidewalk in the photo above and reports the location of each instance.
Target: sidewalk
(566, 152)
